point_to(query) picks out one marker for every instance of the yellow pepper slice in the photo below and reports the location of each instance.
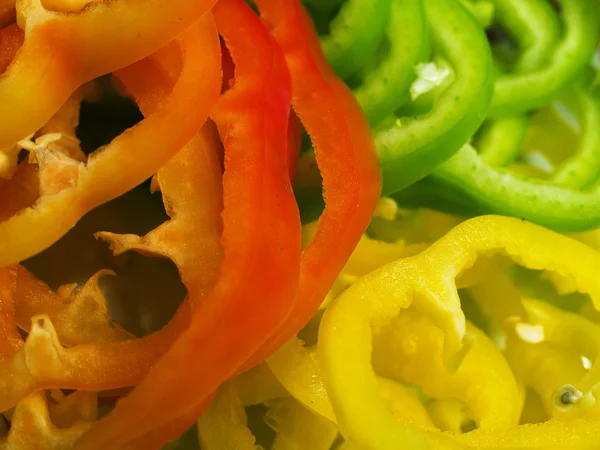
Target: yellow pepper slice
(426, 281)
(410, 348)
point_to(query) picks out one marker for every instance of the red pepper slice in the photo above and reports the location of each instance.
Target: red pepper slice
(261, 241)
(345, 153)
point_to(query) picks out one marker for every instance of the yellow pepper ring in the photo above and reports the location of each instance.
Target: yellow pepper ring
(427, 281)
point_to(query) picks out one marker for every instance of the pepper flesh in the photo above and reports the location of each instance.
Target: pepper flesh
(187, 106)
(43, 76)
(268, 243)
(108, 363)
(346, 156)
(425, 280)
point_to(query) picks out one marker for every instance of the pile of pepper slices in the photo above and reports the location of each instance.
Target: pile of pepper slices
(402, 318)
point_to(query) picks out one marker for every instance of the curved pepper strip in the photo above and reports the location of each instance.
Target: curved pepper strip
(44, 75)
(501, 140)
(100, 366)
(369, 254)
(425, 280)
(583, 169)
(510, 194)
(33, 427)
(519, 93)
(534, 25)
(21, 191)
(413, 226)
(11, 40)
(66, 410)
(344, 152)
(483, 381)
(187, 106)
(560, 203)
(197, 161)
(385, 87)
(65, 123)
(194, 203)
(413, 147)
(66, 310)
(224, 424)
(501, 144)
(298, 427)
(10, 340)
(500, 298)
(261, 240)
(354, 34)
(297, 369)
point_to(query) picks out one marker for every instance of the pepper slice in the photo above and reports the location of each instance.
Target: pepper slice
(261, 241)
(524, 91)
(409, 148)
(567, 202)
(345, 153)
(483, 381)
(11, 40)
(534, 25)
(384, 87)
(425, 280)
(108, 363)
(412, 148)
(187, 106)
(354, 34)
(43, 76)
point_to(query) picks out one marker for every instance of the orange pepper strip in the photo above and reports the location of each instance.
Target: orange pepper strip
(11, 40)
(114, 364)
(346, 155)
(32, 427)
(261, 238)
(170, 431)
(10, 340)
(21, 191)
(121, 165)
(191, 238)
(79, 318)
(62, 51)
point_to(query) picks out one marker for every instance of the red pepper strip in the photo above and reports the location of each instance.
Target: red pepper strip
(131, 157)
(155, 439)
(11, 40)
(62, 51)
(345, 153)
(261, 239)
